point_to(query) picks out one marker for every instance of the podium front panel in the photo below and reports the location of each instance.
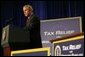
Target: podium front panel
(69, 47)
(32, 52)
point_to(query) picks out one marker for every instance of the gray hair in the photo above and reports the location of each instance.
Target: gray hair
(29, 6)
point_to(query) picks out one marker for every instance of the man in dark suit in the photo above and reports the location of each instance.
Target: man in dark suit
(33, 26)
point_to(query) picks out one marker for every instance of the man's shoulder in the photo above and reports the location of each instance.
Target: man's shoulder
(34, 17)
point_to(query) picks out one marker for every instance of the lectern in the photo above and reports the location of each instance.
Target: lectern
(14, 38)
(71, 45)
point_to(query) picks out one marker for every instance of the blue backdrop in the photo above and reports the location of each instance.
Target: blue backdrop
(43, 9)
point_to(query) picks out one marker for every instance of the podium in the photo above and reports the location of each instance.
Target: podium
(71, 45)
(14, 38)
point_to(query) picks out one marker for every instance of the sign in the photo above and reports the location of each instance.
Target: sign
(56, 28)
(69, 47)
(32, 52)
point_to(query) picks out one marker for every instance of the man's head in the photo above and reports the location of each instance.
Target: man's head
(27, 9)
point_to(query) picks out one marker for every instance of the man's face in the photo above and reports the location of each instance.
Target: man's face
(26, 11)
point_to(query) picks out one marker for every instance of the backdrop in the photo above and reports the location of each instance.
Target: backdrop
(43, 9)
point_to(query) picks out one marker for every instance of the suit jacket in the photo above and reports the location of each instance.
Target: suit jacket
(33, 26)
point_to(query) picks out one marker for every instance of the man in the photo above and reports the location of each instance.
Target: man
(33, 26)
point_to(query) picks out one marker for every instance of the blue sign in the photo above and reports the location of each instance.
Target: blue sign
(56, 28)
(69, 48)
(44, 53)
(32, 52)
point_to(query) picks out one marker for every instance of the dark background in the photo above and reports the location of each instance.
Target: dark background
(43, 9)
